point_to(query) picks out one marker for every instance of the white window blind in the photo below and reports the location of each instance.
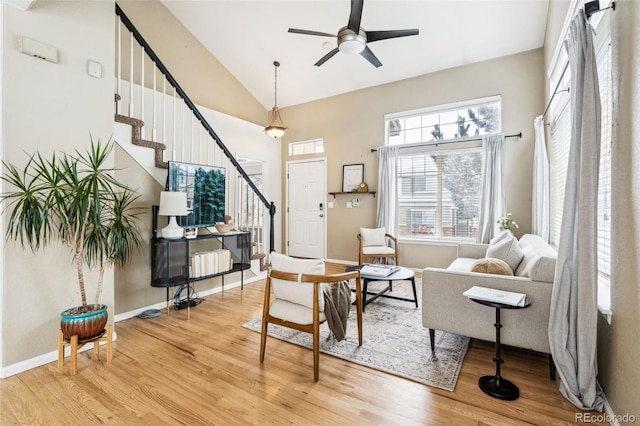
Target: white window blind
(603, 61)
(560, 135)
(438, 194)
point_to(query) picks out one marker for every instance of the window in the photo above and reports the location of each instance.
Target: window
(438, 187)
(560, 135)
(315, 146)
(603, 61)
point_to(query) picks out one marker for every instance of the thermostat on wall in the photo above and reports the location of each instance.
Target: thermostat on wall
(94, 69)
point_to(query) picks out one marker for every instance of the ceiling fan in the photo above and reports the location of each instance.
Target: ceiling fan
(353, 38)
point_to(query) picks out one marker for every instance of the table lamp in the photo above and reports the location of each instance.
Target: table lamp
(172, 204)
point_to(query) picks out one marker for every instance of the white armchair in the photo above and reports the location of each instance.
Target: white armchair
(293, 298)
(375, 243)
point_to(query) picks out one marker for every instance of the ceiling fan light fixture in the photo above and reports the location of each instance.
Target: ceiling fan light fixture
(350, 42)
(351, 47)
(276, 127)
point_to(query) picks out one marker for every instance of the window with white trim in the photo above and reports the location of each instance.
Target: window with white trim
(439, 181)
(315, 146)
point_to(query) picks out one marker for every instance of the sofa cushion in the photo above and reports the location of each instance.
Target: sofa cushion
(373, 237)
(539, 263)
(508, 250)
(462, 264)
(491, 266)
(300, 293)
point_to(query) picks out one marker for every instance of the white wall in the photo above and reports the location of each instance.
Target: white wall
(50, 107)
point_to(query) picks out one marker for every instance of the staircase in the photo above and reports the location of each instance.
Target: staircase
(165, 120)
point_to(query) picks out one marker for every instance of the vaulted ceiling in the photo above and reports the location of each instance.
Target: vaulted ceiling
(247, 36)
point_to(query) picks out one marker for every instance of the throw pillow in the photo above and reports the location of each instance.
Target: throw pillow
(508, 250)
(505, 233)
(373, 237)
(300, 293)
(491, 266)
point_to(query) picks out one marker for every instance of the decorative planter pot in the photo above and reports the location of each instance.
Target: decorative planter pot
(85, 325)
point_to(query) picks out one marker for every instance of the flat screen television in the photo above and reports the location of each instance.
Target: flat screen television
(205, 188)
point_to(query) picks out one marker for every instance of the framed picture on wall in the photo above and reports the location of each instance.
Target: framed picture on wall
(352, 176)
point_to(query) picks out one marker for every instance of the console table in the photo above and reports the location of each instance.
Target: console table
(497, 386)
(171, 259)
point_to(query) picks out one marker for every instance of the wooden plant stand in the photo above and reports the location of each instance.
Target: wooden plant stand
(76, 346)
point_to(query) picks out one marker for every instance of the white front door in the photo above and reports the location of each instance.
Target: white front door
(306, 208)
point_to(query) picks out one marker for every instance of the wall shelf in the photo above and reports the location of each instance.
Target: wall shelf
(352, 193)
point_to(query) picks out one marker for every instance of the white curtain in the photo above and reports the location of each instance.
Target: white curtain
(573, 313)
(387, 188)
(492, 202)
(540, 201)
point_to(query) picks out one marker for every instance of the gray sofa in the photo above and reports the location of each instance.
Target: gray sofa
(445, 308)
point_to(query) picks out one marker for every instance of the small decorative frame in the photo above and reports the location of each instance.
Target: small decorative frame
(352, 176)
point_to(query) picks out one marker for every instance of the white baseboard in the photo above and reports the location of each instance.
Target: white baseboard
(52, 356)
(162, 305)
(43, 359)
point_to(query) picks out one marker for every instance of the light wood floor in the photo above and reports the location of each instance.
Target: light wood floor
(170, 370)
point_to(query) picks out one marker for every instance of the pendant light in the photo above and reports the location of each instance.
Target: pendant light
(276, 127)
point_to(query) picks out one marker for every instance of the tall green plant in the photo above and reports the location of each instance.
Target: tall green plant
(74, 199)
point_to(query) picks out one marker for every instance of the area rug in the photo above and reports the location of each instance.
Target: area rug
(394, 341)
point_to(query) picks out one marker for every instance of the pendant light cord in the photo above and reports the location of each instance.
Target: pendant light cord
(275, 98)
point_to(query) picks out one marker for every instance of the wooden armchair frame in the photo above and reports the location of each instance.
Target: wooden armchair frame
(363, 257)
(314, 328)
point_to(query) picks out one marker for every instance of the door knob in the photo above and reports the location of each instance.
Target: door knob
(321, 215)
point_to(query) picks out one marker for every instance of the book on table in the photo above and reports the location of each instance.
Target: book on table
(379, 271)
(493, 295)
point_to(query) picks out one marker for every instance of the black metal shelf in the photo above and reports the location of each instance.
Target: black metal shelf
(171, 258)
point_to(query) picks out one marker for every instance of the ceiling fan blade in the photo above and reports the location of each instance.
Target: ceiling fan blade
(313, 33)
(383, 35)
(326, 57)
(356, 15)
(369, 56)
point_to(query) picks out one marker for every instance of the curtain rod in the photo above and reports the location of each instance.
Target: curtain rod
(555, 91)
(589, 9)
(515, 135)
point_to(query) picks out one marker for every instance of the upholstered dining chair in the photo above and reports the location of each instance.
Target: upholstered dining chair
(375, 243)
(293, 298)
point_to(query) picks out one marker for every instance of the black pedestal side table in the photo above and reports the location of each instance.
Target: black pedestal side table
(497, 386)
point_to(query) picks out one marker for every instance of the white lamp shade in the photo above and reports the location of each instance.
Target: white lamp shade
(173, 203)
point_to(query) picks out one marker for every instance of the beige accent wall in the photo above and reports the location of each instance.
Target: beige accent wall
(50, 107)
(200, 74)
(352, 124)
(618, 343)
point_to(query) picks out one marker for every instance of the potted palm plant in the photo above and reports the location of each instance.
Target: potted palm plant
(75, 200)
